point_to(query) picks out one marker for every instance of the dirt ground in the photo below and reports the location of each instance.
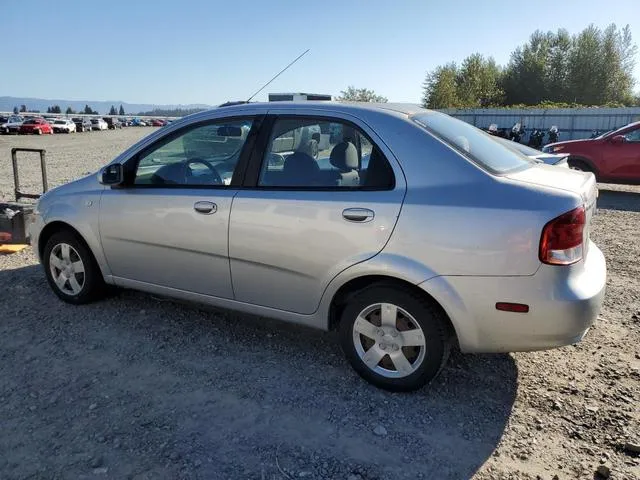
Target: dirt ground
(143, 388)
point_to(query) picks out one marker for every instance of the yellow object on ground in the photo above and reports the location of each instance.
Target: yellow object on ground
(4, 249)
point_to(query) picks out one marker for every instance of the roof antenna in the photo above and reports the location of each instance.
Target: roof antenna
(278, 74)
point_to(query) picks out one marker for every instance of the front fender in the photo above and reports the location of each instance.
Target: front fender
(81, 211)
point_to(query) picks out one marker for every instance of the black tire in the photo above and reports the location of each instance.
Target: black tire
(428, 316)
(93, 286)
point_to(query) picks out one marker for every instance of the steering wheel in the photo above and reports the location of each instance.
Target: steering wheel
(217, 179)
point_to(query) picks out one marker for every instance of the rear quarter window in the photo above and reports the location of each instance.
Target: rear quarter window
(472, 143)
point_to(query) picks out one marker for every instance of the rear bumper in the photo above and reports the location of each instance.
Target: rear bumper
(563, 303)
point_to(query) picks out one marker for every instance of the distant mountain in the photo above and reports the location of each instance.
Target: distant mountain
(41, 104)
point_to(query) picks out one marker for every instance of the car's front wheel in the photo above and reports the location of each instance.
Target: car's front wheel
(71, 269)
(393, 338)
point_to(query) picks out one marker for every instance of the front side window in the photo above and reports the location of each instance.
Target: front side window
(473, 143)
(203, 155)
(633, 135)
(316, 153)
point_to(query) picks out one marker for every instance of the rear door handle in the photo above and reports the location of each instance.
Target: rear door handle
(358, 214)
(205, 208)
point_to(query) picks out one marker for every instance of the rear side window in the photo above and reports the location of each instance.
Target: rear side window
(311, 153)
(473, 143)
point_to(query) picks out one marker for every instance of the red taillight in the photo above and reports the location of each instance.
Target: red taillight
(512, 307)
(562, 238)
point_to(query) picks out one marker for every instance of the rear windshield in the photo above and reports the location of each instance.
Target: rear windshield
(473, 143)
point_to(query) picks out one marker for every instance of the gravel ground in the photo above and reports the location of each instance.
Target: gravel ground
(140, 387)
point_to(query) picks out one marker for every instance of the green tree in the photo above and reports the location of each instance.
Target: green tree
(594, 67)
(440, 88)
(121, 111)
(23, 108)
(352, 94)
(15, 110)
(89, 111)
(524, 77)
(48, 109)
(70, 111)
(54, 109)
(478, 83)
(113, 111)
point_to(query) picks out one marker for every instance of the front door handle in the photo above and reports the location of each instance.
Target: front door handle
(205, 208)
(358, 214)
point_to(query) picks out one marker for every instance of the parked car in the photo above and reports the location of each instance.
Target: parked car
(12, 125)
(136, 122)
(445, 238)
(98, 124)
(112, 123)
(125, 122)
(83, 124)
(157, 123)
(36, 126)
(613, 157)
(558, 159)
(63, 125)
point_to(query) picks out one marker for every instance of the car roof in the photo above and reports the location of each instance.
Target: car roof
(329, 106)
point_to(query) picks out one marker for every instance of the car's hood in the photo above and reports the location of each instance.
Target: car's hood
(568, 143)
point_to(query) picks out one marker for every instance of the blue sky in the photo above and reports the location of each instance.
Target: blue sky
(210, 51)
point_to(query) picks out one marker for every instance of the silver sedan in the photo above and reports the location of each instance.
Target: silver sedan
(406, 230)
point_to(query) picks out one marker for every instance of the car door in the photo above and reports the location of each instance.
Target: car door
(168, 226)
(628, 153)
(619, 159)
(301, 220)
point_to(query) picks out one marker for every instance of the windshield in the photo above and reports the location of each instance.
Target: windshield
(60, 122)
(616, 131)
(473, 143)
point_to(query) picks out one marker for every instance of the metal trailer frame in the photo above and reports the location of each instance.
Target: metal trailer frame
(16, 216)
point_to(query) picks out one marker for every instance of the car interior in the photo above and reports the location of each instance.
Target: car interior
(350, 160)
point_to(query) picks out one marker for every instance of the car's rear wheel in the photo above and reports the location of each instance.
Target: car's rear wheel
(394, 339)
(71, 269)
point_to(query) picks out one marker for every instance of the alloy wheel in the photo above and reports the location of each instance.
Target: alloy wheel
(67, 269)
(388, 340)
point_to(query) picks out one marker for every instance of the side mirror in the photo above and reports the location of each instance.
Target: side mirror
(618, 139)
(112, 174)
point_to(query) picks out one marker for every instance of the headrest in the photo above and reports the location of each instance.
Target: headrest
(344, 156)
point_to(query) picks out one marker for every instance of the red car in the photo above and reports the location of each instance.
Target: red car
(157, 123)
(613, 157)
(36, 126)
